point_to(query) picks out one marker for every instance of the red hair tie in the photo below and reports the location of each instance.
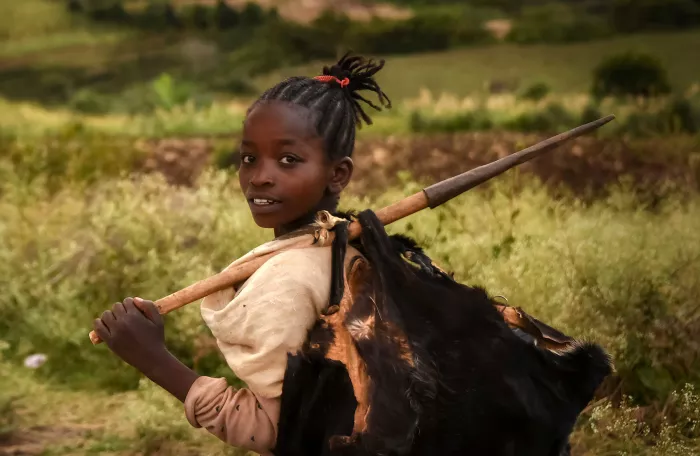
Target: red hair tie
(327, 78)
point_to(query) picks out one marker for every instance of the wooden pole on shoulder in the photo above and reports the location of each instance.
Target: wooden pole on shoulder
(431, 197)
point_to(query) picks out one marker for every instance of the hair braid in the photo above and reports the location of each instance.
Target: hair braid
(334, 99)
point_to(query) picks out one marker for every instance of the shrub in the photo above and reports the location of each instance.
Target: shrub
(683, 115)
(158, 15)
(590, 113)
(106, 10)
(556, 23)
(89, 102)
(225, 16)
(467, 121)
(197, 16)
(553, 118)
(425, 31)
(630, 73)
(536, 91)
(73, 157)
(678, 115)
(8, 417)
(634, 16)
(170, 92)
(631, 429)
(253, 14)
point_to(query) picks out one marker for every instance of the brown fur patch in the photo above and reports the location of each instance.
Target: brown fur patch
(342, 348)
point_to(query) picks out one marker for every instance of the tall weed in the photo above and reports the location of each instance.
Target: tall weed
(611, 271)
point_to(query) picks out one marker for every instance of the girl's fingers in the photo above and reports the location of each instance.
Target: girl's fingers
(118, 310)
(108, 316)
(101, 329)
(149, 309)
(128, 304)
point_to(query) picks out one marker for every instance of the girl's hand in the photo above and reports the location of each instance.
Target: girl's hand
(134, 331)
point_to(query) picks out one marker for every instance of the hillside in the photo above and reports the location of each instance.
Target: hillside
(307, 10)
(565, 68)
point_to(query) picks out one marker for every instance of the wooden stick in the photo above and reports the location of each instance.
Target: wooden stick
(432, 197)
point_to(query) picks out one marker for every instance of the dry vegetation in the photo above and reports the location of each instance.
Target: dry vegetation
(81, 230)
(598, 238)
(307, 10)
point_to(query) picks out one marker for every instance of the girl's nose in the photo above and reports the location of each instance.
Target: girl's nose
(261, 177)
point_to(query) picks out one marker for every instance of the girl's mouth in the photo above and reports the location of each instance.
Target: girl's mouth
(263, 201)
(264, 205)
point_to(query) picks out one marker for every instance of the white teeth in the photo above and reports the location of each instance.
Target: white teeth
(262, 201)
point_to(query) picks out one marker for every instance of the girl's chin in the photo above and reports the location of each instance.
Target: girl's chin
(270, 221)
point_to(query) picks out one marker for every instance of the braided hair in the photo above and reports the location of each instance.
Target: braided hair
(334, 99)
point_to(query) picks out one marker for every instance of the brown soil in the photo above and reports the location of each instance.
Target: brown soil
(180, 161)
(35, 440)
(583, 165)
(305, 11)
(586, 166)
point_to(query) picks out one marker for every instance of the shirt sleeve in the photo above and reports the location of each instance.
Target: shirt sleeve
(236, 416)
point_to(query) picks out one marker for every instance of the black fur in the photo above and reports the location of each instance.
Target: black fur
(317, 400)
(473, 386)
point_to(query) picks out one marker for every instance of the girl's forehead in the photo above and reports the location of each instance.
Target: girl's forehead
(275, 117)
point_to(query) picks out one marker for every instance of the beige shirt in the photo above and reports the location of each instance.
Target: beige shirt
(255, 327)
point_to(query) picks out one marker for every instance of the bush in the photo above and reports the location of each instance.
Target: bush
(468, 121)
(225, 16)
(425, 31)
(630, 73)
(556, 23)
(158, 15)
(72, 255)
(72, 158)
(590, 113)
(89, 102)
(197, 16)
(536, 91)
(634, 430)
(106, 10)
(553, 118)
(634, 15)
(679, 115)
(253, 14)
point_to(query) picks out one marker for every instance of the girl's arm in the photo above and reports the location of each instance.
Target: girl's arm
(134, 331)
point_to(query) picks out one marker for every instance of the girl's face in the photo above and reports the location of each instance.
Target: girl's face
(285, 173)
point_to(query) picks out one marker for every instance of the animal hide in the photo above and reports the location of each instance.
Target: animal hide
(412, 362)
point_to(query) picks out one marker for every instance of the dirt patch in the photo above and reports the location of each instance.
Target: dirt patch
(586, 166)
(305, 11)
(180, 161)
(36, 440)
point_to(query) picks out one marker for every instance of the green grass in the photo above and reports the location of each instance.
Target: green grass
(566, 68)
(424, 114)
(29, 18)
(76, 40)
(43, 26)
(612, 271)
(144, 421)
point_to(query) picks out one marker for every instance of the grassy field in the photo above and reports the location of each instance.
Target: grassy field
(82, 225)
(566, 68)
(35, 28)
(49, 56)
(72, 244)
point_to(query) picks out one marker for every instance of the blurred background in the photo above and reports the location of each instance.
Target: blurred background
(119, 122)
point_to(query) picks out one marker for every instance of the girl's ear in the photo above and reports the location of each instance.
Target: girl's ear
(340, 175)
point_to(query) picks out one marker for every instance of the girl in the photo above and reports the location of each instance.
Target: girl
(295, 161)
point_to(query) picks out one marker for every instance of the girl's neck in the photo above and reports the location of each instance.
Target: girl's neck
(308, 219)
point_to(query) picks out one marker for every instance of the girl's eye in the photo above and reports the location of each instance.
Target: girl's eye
(247, 159)
(289, 159)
